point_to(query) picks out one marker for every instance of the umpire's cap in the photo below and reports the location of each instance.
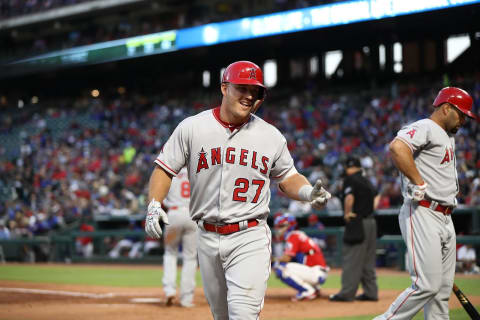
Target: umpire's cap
(352, 161)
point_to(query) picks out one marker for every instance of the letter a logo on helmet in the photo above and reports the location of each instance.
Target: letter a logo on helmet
(252, 74)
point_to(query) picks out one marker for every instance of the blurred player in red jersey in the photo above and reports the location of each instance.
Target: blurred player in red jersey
(302, 265)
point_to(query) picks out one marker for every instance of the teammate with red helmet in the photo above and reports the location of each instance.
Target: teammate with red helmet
(231, 156)
(302, 265)
(424, 153)
(456, 97)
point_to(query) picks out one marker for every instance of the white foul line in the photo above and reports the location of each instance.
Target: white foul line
(60, 293)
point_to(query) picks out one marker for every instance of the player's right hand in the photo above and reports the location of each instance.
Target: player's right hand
(152, 221)
(319, 195)
(416, 192)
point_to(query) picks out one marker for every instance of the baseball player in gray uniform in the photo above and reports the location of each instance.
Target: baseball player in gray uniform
(180, 230)
(424, 153)
(231, 156)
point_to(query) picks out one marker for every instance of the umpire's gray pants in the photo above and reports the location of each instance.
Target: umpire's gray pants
(359, 264)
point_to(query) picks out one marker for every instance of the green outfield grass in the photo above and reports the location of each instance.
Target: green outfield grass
(130, 276)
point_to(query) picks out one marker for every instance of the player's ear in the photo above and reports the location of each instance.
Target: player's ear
(223, 88)
(445, 108)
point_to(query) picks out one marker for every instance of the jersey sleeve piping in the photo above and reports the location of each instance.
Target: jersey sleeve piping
(284, 175)
(406, 142)
(164, 166)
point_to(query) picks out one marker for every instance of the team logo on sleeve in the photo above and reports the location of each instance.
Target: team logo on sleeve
(411, 133)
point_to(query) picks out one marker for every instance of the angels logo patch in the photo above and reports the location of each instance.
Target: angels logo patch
(411, 133)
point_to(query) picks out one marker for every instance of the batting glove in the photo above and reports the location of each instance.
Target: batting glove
(155, 213)
(416, 192)
(319, 195)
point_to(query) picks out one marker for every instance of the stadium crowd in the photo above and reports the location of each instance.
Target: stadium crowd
(100, 161)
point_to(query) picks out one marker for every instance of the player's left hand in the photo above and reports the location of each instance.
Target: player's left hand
(319, 195)
(416, 192)
(152, 221)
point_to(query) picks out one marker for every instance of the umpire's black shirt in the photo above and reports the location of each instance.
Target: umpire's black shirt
(363, 191)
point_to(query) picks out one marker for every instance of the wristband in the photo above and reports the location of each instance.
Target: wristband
(305, 193)
(154, 204)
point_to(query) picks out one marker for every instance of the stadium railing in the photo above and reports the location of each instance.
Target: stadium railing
(61, 247)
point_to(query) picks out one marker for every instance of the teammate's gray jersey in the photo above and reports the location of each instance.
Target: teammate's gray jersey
(229, 171)
(179, 193)
(434, 154)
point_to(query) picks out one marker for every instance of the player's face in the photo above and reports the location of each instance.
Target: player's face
(239, 100)
(455, 119)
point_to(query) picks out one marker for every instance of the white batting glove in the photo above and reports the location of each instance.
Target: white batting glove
(154, 214)
(416, 192)
(319, 196)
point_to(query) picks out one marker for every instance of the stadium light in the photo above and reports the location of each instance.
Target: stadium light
(332, 60)
(313, 65)
(397, 57)
(456, 45)
(382, 56)
(270, 70)
(206, 78)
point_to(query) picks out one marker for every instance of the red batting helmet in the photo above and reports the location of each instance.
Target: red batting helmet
(456, 97)
(313, 218)
(285, 219)
(244, 72)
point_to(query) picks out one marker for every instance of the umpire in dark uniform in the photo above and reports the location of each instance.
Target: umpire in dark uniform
(360, 237)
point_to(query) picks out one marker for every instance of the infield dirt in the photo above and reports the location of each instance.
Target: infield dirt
(26, 300)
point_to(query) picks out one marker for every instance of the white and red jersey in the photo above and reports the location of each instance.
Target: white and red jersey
(434, 155)
(179, 194)
(229, 168)
(298, 244)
